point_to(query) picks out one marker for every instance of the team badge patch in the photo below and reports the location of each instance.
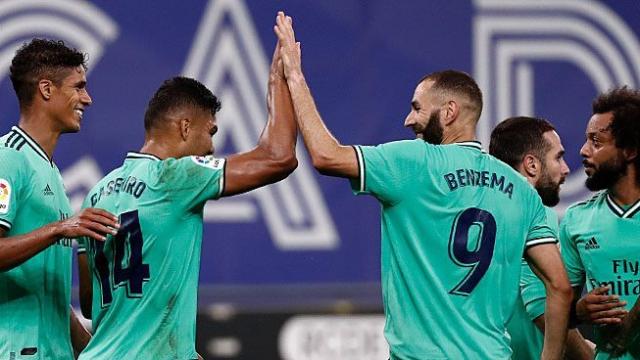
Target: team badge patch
(5, 196)
(209, 162)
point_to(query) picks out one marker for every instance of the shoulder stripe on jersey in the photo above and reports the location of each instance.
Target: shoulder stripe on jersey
(11, 136)
(221, 181)
(33, 144)
(361, 169)
(6, 224)
(21, 145)
(539, 241)
(137, 155)
(15, 141)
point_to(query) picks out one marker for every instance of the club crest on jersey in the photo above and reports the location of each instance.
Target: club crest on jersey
(5, 196)
(209, 161)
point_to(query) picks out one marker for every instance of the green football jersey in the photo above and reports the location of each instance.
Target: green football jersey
(455, 223)
(34, 296)
(145, 278)
(600, 247)
(526, 339)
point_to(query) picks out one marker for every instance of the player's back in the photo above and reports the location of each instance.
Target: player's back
(454, 225)
(145, 278)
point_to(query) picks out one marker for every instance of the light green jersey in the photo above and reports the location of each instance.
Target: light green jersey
(601, 246)
(526, 339)
(455, 223)
(145, 279)
(34, 296)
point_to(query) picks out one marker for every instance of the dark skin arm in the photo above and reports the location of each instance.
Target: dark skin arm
(618, 337)
(80, 336)
(274, 158)
(85, 285)
(93, 223)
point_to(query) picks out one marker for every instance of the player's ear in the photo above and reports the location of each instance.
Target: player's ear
(44, 88)
(531, 165)
(451, 111)
(185, 128)
(630, 154)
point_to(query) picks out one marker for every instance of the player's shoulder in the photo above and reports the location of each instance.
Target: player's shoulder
(586, 205)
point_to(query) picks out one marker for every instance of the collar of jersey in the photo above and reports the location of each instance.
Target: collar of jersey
(34, 145)
(619, 210)
(138, 155)
(470, 144)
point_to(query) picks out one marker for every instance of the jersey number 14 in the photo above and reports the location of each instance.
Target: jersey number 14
(126, 245)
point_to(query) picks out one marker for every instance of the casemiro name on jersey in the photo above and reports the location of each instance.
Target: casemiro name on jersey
(470, 177)
(129, 185)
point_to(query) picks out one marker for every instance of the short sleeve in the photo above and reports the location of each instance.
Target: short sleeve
(13, 179)
(570, 254)
(193, 179)
(539, 230)
(388, 171)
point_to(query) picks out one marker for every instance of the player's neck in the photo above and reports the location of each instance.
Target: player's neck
(159, 149)
(459, 131)
(41, 132)
(626, 191)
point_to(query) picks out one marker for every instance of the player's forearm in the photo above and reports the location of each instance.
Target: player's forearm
(15, 250)
(80, 336)
(279, 135)
(577, 346)
(556, 321)
(322, 145)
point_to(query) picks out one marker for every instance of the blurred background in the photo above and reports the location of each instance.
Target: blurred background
(292, 271)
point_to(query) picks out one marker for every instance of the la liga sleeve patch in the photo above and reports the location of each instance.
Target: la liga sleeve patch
(5, 196)
(209, 162)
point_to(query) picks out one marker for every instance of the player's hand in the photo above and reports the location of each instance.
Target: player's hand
(597, 307)
(276, 71)
(615, 339)
(90, 222)
(289, 48)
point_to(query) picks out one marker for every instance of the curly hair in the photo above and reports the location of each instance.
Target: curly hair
(624, 104)
(41, 59)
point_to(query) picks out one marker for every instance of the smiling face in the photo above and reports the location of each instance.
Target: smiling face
(603, 162)
(69, 99)
(424, 117)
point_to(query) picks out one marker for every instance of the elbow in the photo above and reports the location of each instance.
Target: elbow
(562, 289)
(322, 163)
(285, 165)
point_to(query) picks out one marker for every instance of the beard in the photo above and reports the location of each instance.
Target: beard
(548, 190)
(433, 132)
(606, 175)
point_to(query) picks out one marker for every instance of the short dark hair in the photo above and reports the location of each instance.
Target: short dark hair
(516, 137)
(457, 82)
(176, 93)
(624, 104)
(41, 59)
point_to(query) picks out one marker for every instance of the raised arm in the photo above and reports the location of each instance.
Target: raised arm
(274, 158)
(329, 157)
(546, 262)
(15, 250)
